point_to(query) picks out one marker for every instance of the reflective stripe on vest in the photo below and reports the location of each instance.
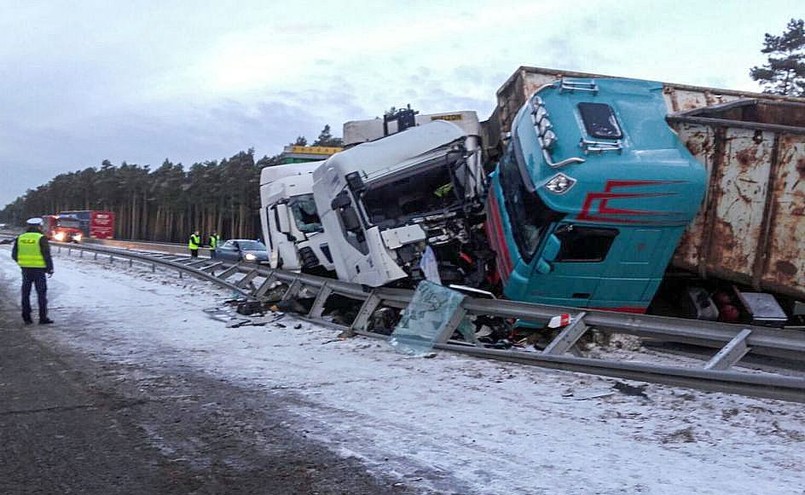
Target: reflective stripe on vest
(29, 254)
(194, 242)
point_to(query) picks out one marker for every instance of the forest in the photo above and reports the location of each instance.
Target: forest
(164, 204)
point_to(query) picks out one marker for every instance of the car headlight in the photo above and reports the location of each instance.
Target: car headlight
(59, 236)
(249, 257)
(77, 237)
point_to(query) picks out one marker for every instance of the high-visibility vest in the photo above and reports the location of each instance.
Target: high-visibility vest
(194, 242)
(214, 241)
(29, 254)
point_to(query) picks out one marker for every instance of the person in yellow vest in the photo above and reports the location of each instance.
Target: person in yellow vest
(193, 244)
(215, 239)
(32, 252)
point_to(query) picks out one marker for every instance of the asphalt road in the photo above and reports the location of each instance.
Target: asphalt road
(71, 424)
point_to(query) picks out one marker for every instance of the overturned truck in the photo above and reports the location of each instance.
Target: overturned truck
(745, 242)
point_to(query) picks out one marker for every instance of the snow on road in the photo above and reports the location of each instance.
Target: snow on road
(451, 424)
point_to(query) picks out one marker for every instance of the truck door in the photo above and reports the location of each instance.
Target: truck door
(635, 267)
(573, 261)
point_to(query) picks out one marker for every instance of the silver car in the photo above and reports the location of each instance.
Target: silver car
(238, 250)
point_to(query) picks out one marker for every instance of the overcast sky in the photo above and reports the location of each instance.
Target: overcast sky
(190, 81)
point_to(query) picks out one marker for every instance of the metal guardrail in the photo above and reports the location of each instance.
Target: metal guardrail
(717, 374)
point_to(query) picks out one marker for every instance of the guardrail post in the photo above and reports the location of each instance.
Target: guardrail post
(266, 285)
(292, 290)
(228, 272)
(568, 337)
(246, 278)
(321, 298)
(367, 308)
(451, 325)
(731, 353)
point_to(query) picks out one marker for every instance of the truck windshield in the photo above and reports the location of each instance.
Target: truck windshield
(528, 214)
(68, 223)
(305, 214)
(391, 200)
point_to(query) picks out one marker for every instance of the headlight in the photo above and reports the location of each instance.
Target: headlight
(59, 236)
(249, 257)
(77, 238)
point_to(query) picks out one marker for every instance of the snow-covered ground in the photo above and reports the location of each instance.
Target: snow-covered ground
(449, 423)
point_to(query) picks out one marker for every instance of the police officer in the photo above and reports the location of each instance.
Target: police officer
(215, 239)
(32, 252)
(193, 244)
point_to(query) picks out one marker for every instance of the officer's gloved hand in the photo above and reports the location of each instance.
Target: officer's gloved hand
(50, 273)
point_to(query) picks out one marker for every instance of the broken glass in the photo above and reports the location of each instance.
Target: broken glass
(425, 321)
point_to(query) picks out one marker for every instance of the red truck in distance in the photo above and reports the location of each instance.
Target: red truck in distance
(61, 228)
(95, 224)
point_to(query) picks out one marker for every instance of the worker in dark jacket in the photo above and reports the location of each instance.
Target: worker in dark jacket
(32, 252)
(193, 244)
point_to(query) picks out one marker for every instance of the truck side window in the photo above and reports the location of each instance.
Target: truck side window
(305, 214)
(350, 223)
(599, 120)
(584, 244)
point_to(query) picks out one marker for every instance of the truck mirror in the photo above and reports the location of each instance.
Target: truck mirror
(355, 182)
(282, 217)
(551, 249)
(341, 201)
(549, 254)
(350, 219)
(543, 266)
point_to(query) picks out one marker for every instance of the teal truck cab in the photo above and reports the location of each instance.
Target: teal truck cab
(591, 195)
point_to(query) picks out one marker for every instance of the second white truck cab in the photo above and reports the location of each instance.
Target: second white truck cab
(291, 226)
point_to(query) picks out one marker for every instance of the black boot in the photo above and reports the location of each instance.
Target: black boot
(45, 321)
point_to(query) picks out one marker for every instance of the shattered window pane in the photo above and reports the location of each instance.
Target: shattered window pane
(305, 214)
(425, 320)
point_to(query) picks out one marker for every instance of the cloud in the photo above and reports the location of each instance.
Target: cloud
(144, 81)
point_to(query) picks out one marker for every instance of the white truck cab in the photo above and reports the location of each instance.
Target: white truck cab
(291, 226)
(382, 203)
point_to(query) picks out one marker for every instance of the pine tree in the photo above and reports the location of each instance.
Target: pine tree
(326, 138)
(784, 74)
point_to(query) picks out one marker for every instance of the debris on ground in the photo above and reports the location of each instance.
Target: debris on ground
(625, 388)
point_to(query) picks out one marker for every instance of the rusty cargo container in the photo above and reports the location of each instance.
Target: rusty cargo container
(751, 227)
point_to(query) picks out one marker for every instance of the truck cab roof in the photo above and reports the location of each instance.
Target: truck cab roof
(611, 136)
(377, 158)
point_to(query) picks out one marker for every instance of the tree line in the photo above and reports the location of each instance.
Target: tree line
(163, 204)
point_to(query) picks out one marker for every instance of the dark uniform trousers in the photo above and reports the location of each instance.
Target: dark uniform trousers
(37, 278)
